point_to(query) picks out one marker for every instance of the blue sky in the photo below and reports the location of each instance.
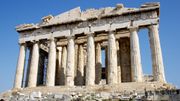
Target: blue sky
(14, 12)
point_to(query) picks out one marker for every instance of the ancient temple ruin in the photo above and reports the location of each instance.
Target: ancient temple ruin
(66, 50)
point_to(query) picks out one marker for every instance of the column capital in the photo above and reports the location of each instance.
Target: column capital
(90, 34)
(150, 27)
(59, 48)
(35, 41)
(24, 43)
(52, 39)
(110, 31)
(70, 37)
(133, 28)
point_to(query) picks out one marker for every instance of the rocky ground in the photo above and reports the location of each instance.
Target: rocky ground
(124, 91)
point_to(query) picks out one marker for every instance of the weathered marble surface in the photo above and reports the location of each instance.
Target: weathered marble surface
(34, 66)
(51, 68)
(72, 43)
(98, 19)
(20, 66)
(130, 91)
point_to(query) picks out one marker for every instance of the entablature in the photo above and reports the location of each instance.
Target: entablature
(133, 17)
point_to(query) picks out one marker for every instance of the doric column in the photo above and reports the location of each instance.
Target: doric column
(70, 62)
(18, 83)
(40, 76)
(90, 67)
(80, 69)
(76, 61)
(157, 60)
(58, 67)
(28, 66)
(106, 63)
(85, 61)
(112, 59)
(98, 69)
(63, 66)
(135, 56)
(50, 79)
(118, 62)
(32, 81)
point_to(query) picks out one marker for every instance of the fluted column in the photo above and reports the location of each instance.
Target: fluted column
(112, 59)
(18, 83)
(80, 72)
(63, 66)
(50, 79)
(32, 81)
(76, 46)
(28, 66)
(58, 69)
(135, 56)
(70, 62)
(157, 60)
(106, 64)
(90, 67)
(118, 62)
(98, 69)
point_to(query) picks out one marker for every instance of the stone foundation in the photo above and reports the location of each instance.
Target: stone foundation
(124, 91)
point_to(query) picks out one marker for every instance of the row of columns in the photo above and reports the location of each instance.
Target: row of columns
(68, 60)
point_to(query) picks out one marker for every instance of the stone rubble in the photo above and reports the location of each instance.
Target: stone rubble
(168, 95)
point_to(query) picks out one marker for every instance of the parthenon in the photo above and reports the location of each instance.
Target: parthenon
(66, 50)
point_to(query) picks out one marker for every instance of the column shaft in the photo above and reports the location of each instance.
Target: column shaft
(40, 76)
(98, 69)
(50, 79)
(76, 61)
(18, 83)
(157, 60)
(58, 67)
(90, 67)
(106, 64)
(32, 81)
(70, 62)
(80, 71)
(112, 59)
(118, 62)
(135, 56)
(28, 67)
(63, 66)
(85, 62)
